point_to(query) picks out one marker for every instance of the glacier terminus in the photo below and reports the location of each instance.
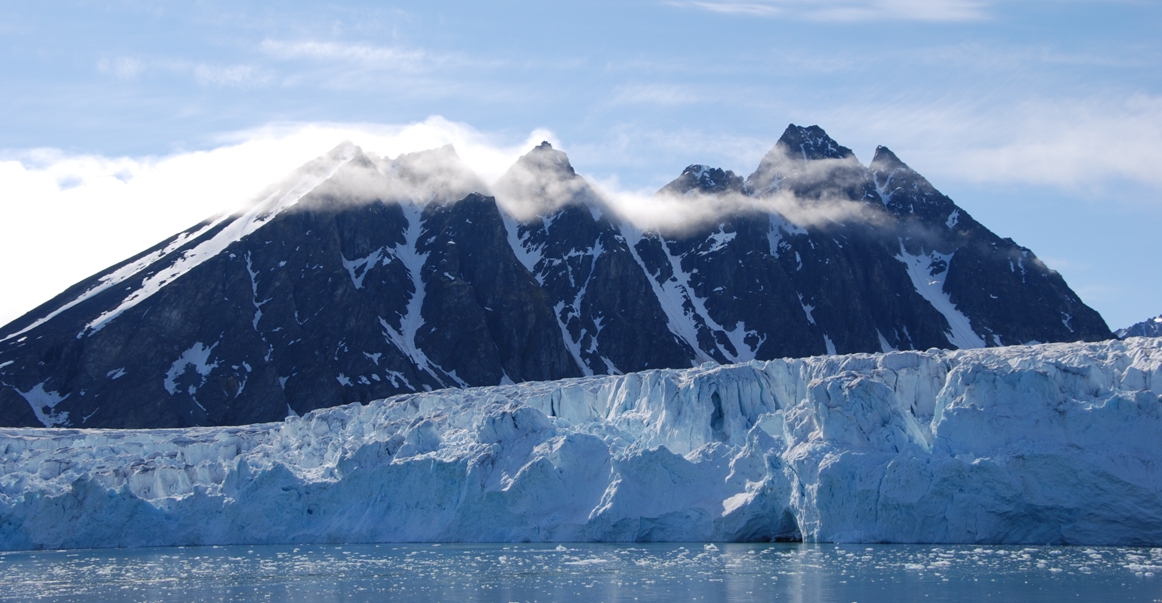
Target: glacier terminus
(1041, 444)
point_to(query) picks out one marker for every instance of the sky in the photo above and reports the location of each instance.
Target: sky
(122, 123)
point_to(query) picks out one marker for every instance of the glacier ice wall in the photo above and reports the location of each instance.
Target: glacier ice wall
(1057, 443)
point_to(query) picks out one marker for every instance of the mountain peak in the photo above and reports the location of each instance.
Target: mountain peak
(811, 142)
(886, 161)
(704, 179)
(540, 182)
(344, 148)
(444, 153)
(435, 175)
(792, 154)
(392, 276)
(1151, 327)
(544, 158)
(697, 170)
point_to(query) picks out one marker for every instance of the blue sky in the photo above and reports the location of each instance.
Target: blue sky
(122, 122)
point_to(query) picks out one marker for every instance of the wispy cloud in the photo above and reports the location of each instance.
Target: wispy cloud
(849, 10)
(109, 208)
(229, 75)
(125, 68)
(359, 66)
(656, 94)
(1080, 144)
(993, 55)
(369, 55)
(735, 8)
(1083, 143)
(205, 74)
(112, 207)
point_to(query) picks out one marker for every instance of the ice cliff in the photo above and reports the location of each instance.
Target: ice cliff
(1057, 443)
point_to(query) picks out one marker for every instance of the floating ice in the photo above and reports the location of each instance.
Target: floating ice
(1047, 444)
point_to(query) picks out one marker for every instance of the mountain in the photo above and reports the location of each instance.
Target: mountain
(1151, 327)
(361, 277)
(1048, 444)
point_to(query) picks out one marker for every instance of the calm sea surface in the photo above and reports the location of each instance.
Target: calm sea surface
(589, 572)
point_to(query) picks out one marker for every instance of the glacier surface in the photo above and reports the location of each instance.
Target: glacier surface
(1058, 443)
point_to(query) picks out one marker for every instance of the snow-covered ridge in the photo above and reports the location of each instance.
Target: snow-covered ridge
(293, 189)
(1151, 327)
(1039, 444)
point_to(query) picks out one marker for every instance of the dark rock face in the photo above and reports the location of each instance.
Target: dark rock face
(1009, 295)
(359, 278)
(705, 180)
(1151, 327)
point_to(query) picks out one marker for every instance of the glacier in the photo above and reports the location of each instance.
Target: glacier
(1042, 444)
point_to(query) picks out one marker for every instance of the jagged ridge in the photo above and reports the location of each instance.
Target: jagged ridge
(1151, 327)
(361, 277)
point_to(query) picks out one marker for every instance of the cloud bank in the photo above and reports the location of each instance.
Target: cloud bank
(676, 214)
(68, 216)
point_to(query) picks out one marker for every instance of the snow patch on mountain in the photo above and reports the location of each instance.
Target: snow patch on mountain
(359, 267)
(717, 241)
(669, 297)
(403, 336)
(686, 310)
(566, 314)
(43, 402)
(781, 226)
(884, 345)
(196, 358)
(928, 271)
(119, 275)
(807, 309)
(298, 186)
(527, 253)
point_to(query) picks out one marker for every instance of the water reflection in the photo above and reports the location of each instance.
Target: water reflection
(586, 572)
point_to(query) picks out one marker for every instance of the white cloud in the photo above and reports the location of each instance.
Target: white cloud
(206, 74)
(992, 56)
(229, 75)
(676, 214)
(1079, 143)
(374, 56)
(66, 217)
(735, 8)
(850, 10)
(1076, 144)
(126, 68)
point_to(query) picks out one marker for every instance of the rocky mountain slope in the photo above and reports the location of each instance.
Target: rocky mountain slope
(1151, 327)
(361, 277)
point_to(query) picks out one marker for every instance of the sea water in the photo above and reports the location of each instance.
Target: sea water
(586, 572)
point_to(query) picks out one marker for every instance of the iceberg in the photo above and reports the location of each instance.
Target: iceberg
(1043, 444)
